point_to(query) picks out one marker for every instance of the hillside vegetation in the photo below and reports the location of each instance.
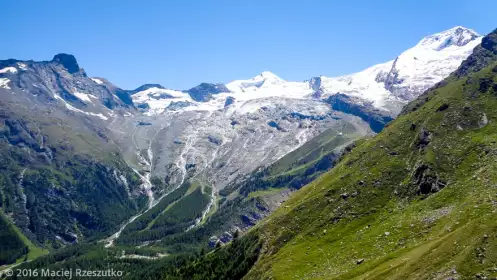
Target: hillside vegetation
(417, 201)
(61, 182)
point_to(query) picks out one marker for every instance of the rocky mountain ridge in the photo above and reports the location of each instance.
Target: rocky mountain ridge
(196, 143)
(387, 86)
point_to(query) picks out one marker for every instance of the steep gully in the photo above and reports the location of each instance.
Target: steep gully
(147, 164)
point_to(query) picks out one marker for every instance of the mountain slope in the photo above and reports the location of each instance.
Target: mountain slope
(167, 169)
(62, 180)
(415, 202)
(243, 202)
(217, 134)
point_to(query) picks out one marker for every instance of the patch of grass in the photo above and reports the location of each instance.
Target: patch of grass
(16, 247)
(263, 193)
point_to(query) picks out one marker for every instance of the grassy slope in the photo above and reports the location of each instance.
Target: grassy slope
(69, 182)
(299, 166)
(14, 239)
(172, 215)
(398, 233)
(313, 150)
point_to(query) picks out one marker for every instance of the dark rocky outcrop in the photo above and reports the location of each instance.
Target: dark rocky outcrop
(485, 84)
(204, 91)
(426, 180)
(145, 87)
(376, 118)
(424, 138)
(176, 105)
(482, 56)
(143, 106)
(443, 107)
(229, 100)
(316, 85)
(68, 61)
(215, 139)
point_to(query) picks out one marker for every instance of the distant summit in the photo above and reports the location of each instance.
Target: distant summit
(457, 36)
(68, 61)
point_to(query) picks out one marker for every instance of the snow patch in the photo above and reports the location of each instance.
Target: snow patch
(159, 99)
(72, 108)
(22, 66)
(85, 97)
(98, 81)
(4, 83)
(264, 80)
(8, 69)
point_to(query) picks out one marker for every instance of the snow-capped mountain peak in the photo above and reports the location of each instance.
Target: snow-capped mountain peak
(457, 36)
(430, 61)
(264, 79)
(267, 75)
(386, 86)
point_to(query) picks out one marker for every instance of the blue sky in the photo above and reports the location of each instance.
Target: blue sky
(182, 43)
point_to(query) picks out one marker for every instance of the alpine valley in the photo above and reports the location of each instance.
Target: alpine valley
(260, 178)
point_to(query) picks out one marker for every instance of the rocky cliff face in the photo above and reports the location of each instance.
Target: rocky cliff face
(62, 179)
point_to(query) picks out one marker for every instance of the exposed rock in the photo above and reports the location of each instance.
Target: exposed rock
(145, 87)
(485, 84)
(226, 237)
(177, 105)
(142, 123)
(229, 100)
(143, 106)
(443, 107)
(482, 56)
(68, 61)
(376, 118)
(483, 121)
(424, 138)
(213, 241)
(215, 139)
(204, 91)
(426, 181)
(248, 221)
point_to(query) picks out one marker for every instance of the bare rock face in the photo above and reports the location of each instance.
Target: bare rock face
(426, 181)
(229, 100)
(205, 91)
(424, 138)
(376, 118)
(68, 61)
